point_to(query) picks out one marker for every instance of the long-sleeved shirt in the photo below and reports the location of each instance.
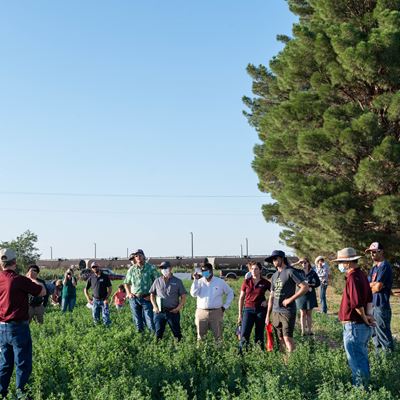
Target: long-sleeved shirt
(210, 294)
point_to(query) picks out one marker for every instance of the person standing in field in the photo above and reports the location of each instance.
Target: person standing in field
(119, 297)
(168, 296)
(138, 281)
(381, 281)
(209, 291)
(281, 301)
(15, 336)
(353, 312)
(308, 301)
(322, 270)
(37, 304)
(56, 297)
(253, 306)
(68, 300)
(101, 287)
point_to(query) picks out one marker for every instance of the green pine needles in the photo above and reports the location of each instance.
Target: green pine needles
(327, 112)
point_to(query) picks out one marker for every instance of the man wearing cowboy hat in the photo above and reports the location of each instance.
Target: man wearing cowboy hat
(381, 280)
(357, 324)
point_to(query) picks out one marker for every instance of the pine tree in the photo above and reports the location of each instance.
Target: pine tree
(327, 112)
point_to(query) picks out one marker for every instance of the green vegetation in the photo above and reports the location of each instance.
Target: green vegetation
(74, 360)
(327, 112)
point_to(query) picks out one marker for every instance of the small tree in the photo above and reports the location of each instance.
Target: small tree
(25, 247)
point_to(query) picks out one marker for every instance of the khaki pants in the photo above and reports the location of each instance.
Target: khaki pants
(209, 319)
(36, 313)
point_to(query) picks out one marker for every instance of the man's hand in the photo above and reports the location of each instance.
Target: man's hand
(105, 301)
(175, 310)
(239, 320)
(130, 296)
(370, 320)
(196, 276)
(264, 303)
(267, 320)
(286, 302)
(156, 310)
(376, 286)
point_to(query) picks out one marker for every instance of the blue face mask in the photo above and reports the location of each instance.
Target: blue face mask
(206, 274)
(342, 268)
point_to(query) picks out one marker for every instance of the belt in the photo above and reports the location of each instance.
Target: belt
(210, 309)
(352, 323)
(166, 309)
(14, 323)
(142, 295)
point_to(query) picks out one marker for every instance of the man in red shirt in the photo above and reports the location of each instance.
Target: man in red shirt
(15, 336)
(354, 312)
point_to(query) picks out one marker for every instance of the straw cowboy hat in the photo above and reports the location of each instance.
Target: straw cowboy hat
(347, 254)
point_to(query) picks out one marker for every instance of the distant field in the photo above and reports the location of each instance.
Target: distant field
(74, 360)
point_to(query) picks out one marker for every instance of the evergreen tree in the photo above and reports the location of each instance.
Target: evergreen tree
(327, 112)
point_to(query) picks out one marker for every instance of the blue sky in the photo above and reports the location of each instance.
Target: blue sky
(102, 102)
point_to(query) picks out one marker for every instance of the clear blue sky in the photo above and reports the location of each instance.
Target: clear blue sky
(133, 98)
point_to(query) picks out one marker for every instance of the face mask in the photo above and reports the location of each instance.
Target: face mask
(206, 274)
(342, 268)
(166, 272)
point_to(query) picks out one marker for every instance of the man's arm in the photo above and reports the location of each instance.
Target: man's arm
(196, 287)
(368, 319)
(229, 296)
(109, 290)
(240, 305)
(86, 292)
(303, 290)
(154, 303)
(43, 287)
(182, 301)
(269, 310)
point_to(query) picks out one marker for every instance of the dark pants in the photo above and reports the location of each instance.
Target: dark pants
(253, 317)
(382, 335)
(322, 298)
(15, 348)
(173, 319)
(142, 313)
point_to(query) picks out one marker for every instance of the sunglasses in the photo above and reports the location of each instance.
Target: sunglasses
(375, 252)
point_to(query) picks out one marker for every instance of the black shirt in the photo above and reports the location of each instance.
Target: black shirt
(99, 284)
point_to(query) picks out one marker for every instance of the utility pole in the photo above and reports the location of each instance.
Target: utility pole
(51, 252)
(241, 251)
(95, 250)
(247, 247)
(191, 241)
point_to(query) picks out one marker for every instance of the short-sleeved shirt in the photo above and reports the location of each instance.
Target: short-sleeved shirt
(284, 286)
(99, 285)
(255, 293)
(141, 278)
(382, 273)
(356, 294)
(120, 298)
(168, 290)
(14, 292)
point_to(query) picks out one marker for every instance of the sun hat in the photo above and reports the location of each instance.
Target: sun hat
(275, 253)
(318, 259)
(347, 254)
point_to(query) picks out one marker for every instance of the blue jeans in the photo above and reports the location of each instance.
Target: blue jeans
(322, 298)
(100, 308)
(15, 347)
(253, 317)
(355, 340)
(173, 319)
(382, 335)
(142, 313)
(68, 302)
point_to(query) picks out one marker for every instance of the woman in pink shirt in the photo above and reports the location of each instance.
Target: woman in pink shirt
(119, 297)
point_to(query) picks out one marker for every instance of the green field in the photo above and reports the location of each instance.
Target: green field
(75, 360)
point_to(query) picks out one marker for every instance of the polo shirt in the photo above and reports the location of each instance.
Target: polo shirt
(141, 278)
(382, 273)
(255, 293)
(14, 292)
(168, 291)
(99, 285)
(357, 293)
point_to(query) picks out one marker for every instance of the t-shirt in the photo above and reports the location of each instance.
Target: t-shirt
(168, 291)
(284, 286)
(14, 291)
(120, 298)
(99, 284)
(382, 273)
(255, 294)
(356, 294)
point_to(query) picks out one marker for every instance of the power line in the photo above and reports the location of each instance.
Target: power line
(137, 195)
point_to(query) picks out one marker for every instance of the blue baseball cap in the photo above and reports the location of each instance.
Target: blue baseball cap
(275, 253)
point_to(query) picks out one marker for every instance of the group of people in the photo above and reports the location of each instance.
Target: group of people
(156, 298)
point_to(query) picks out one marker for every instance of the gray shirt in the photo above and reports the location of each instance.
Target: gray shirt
(168, 291)
(284, 286)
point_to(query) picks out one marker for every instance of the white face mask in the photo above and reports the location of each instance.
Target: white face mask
(166, 272)
(341, 267)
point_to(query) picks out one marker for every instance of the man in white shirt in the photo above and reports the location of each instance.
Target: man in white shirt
(209, 291)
